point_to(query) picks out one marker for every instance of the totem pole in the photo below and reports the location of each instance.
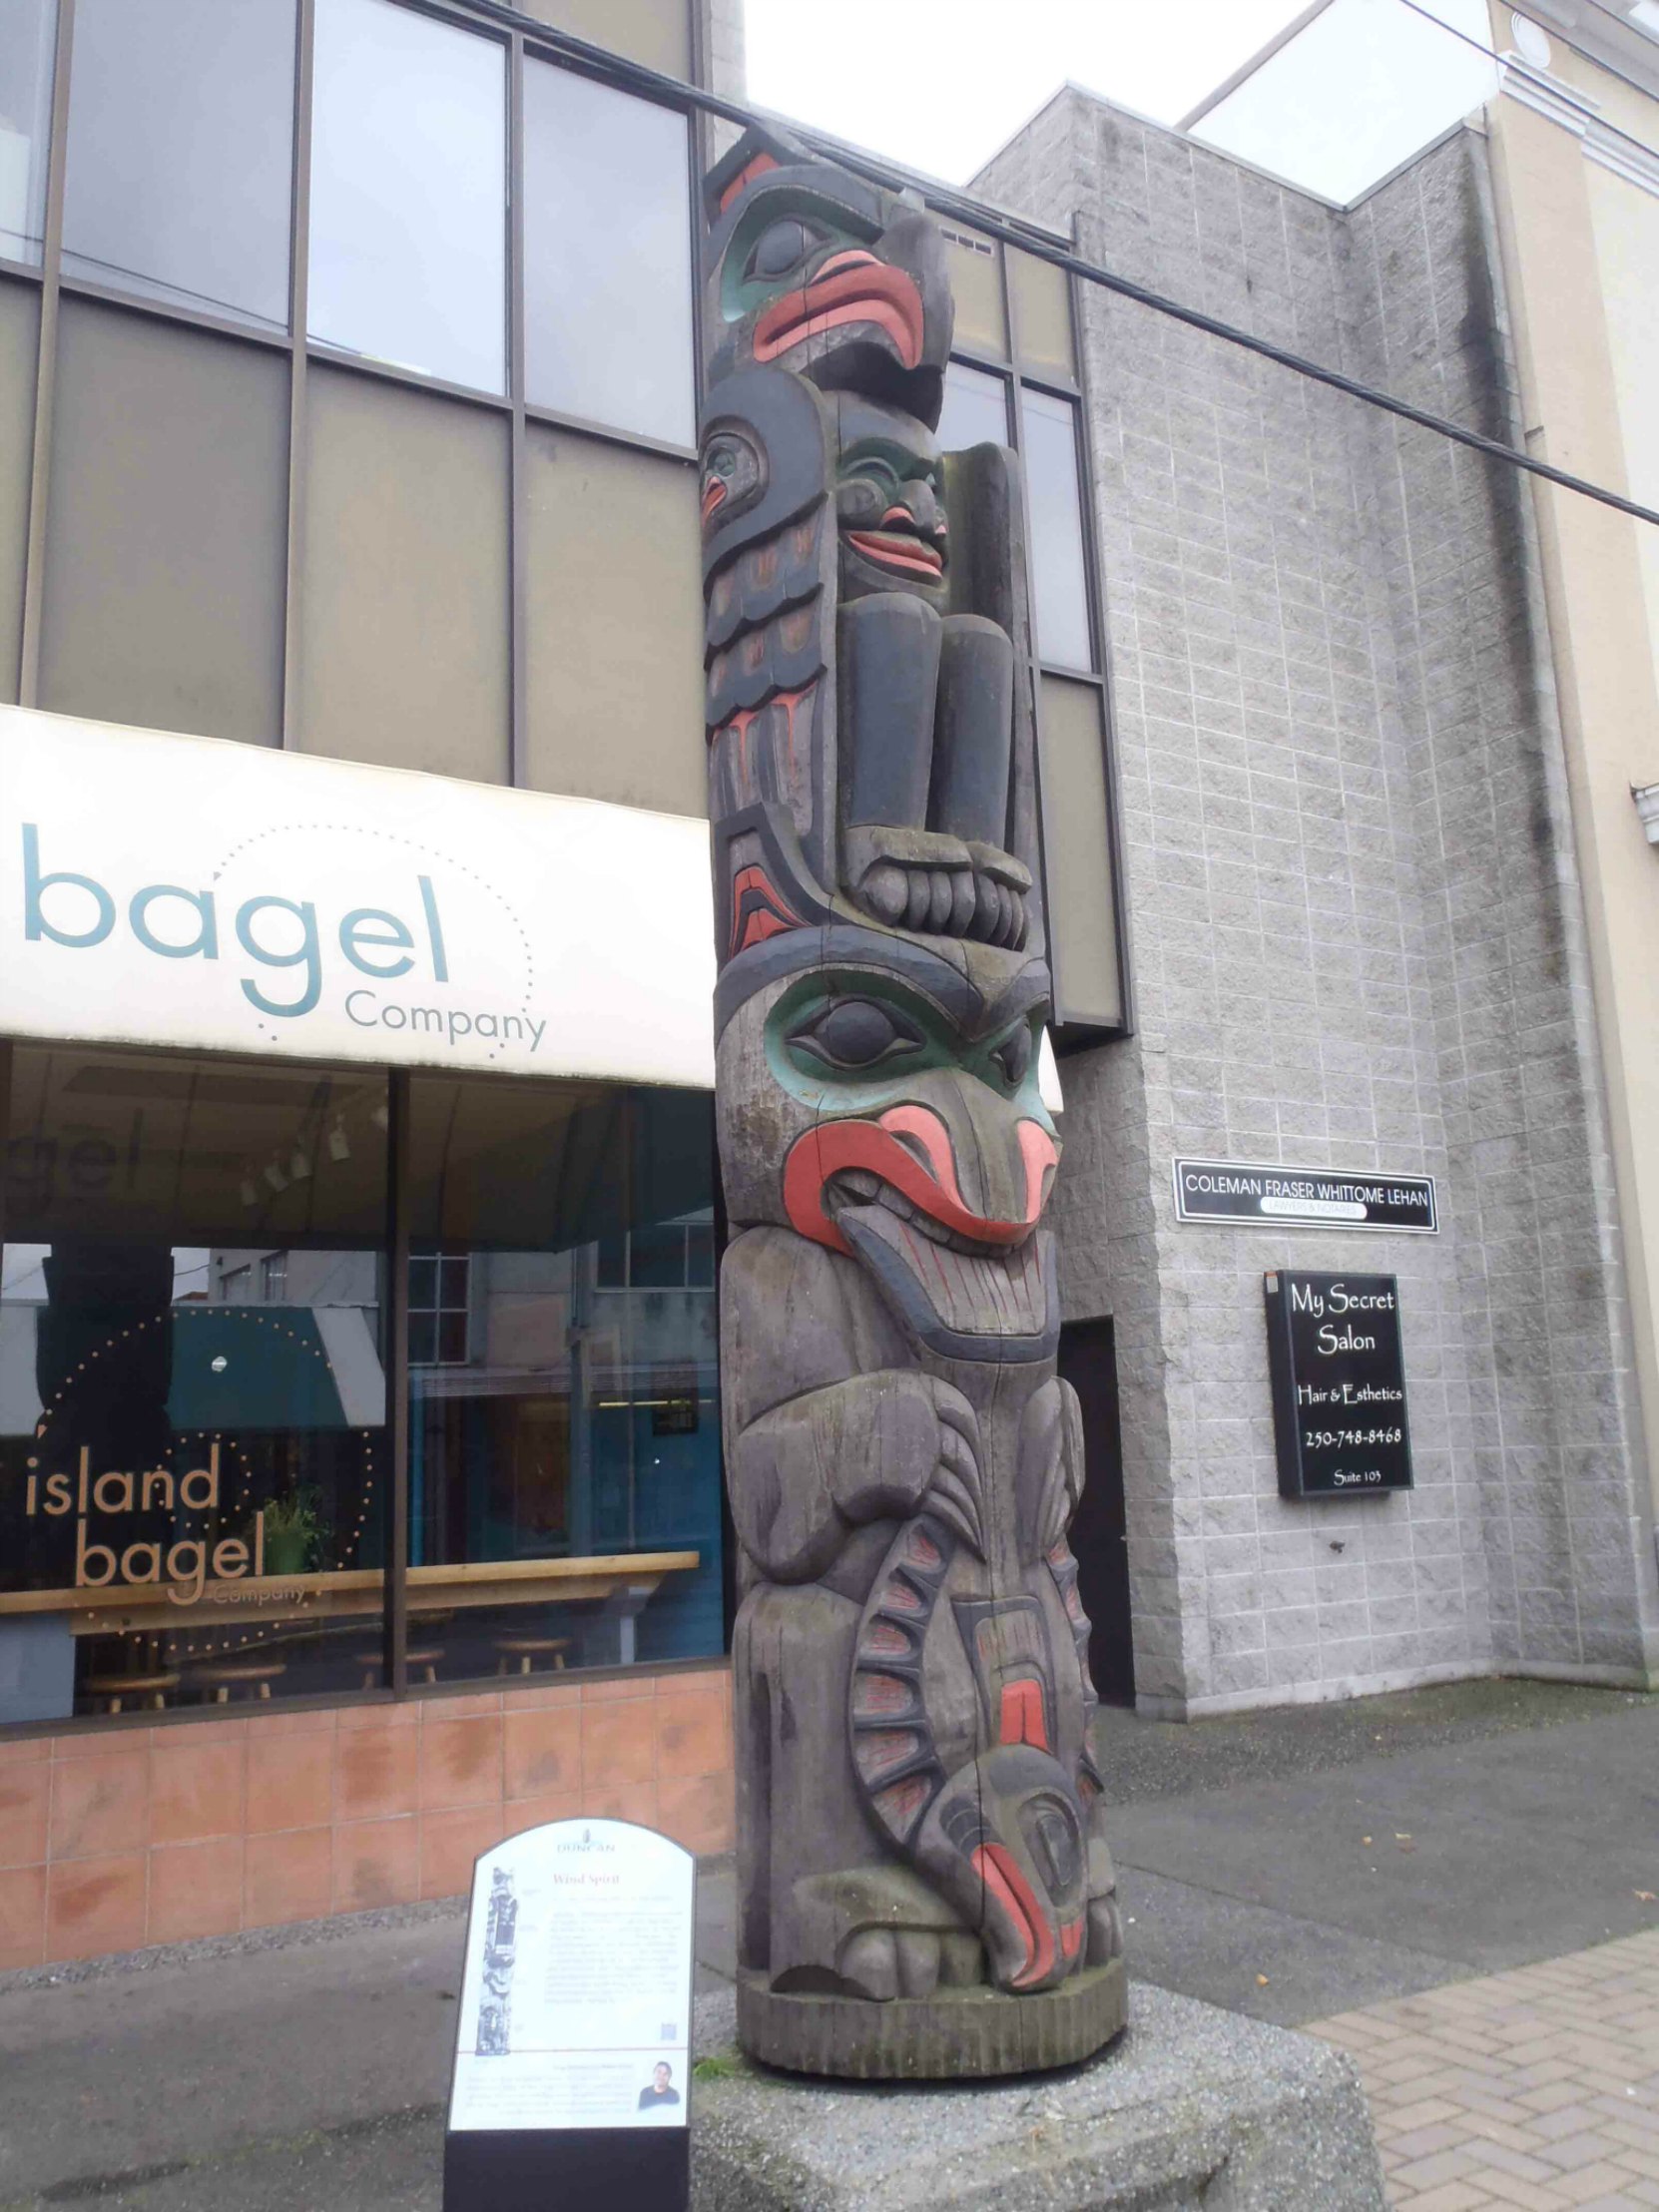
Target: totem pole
(924, 1885)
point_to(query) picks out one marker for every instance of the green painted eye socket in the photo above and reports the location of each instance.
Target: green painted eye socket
(783, 247)
(853, 1036)
(1014, 1055)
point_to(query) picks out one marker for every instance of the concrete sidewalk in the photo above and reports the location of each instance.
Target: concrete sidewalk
(1297, 1866)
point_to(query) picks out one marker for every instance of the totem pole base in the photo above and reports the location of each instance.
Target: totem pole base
(954, 2036)
(1193, 2106)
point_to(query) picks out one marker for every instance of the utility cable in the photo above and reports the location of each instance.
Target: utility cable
(1029, 238)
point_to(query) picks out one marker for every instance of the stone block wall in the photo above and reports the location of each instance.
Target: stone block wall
(1355, 936)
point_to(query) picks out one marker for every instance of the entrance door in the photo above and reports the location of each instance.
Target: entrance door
(1088, 1362)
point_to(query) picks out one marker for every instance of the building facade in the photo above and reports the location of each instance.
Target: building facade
(1391, 906)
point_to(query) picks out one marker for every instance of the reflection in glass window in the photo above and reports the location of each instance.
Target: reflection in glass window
(409, 192)
(179, 173)
(975, 409)
(27, 30)
(1059, 578)
(564, 1476)
(606, 250)
(195, 1473)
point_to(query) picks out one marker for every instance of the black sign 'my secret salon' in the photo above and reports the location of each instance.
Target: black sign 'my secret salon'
(1339, 1384)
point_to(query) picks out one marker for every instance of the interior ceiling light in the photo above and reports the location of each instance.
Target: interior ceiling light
(300, 1166)
(249, 1195)
(339, 1144)
(274, 1177)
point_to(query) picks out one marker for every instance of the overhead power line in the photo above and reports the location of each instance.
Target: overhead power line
(1029, 238)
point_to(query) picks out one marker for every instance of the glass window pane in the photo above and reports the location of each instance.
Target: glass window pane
(613, 531)
(975, 409)
(423, 1283)
(404, 593)
(166, 526)
(180, 175)
(409, 192)
(19, 338)
(1059, 579)
(606, 250)
(195, 1464)
(579, 1420)
(1078, 855)
(975, 265)
(28, 29)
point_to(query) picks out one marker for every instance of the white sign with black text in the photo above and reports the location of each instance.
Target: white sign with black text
(576, 2000)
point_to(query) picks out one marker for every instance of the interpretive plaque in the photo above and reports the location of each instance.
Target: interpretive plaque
(573, 2053)
(1339, 1384)
(1243, 1192)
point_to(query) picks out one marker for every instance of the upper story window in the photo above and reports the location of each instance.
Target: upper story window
(607, 250)
(1059, 574)
(26, 31)
(976, 408)
(180, 172)
(409, 192)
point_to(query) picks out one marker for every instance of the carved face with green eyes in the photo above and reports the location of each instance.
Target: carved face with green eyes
(814, 271)
(889, 506)
(875, 1095)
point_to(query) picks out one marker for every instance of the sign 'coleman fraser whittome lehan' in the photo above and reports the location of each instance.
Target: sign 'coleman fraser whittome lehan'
(1261, 1197)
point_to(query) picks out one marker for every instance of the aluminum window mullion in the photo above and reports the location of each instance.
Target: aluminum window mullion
(299, 249)
(46, 363)
(519, 520)
(396, 1595)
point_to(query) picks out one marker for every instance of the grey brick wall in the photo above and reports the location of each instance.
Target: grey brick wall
(1355, 933)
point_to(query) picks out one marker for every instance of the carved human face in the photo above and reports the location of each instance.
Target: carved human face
(890, 504)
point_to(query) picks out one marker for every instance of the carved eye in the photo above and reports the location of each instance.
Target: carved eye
(858, 1033)
(1013, 1056)
(782, 245)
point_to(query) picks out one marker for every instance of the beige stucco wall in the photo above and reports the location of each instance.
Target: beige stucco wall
(1581, 265)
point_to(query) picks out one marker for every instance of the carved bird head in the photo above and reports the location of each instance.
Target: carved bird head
(814, 269)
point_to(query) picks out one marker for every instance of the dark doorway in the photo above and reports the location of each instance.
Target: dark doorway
(1088, 1362)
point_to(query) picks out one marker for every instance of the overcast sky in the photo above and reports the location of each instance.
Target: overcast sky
(940, 83)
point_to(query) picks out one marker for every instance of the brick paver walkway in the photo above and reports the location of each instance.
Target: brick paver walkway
(1537, 2088)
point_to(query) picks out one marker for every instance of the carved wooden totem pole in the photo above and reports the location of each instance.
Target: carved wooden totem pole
(924, 1885)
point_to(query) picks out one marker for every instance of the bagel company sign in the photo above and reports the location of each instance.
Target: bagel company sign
(1240, 1191)
(190, 893)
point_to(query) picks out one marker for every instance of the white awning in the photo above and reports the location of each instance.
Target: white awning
(192, 893)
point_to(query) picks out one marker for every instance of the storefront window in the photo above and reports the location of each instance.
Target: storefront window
(564, 1479)
(27, 28)
(410, 192)
(194, 1476)
(607, 225)
(179, 175)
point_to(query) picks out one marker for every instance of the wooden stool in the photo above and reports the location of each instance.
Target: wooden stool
(143, 1689)
(423, 1662)
(527, 1650)
(256, 1675)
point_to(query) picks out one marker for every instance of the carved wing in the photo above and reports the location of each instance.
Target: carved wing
(769, 570)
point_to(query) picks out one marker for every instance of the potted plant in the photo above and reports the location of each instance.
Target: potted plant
(293, 1532)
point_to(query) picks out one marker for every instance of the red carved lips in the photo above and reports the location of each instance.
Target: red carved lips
(901, 547)
(713, 495)
(851, 287)
(928, 1182)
